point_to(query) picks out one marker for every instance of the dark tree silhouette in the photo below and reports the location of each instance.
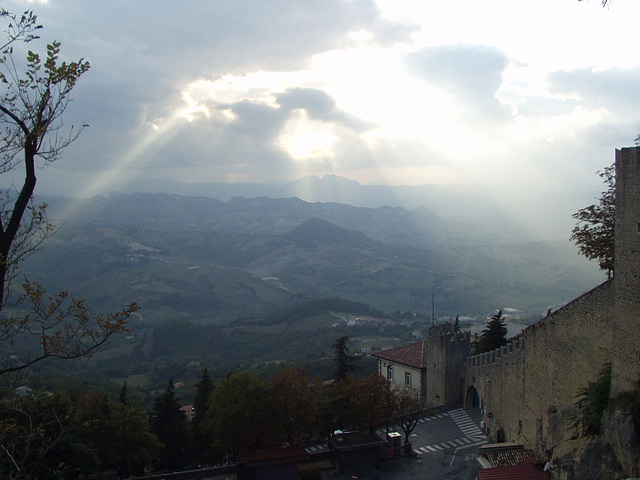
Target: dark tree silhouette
(494, 335)
(204, 390)
(171, 426)
(408, 411)
(456, 325)
(242, 415)
(345, 362)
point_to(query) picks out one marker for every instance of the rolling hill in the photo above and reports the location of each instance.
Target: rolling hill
(200, 258)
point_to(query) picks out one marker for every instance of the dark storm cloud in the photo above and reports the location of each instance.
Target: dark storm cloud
(320, 106)
(252, 133)
(317, 103)
(143, 52)
(160, 41)
(243, 144)
(471, 73)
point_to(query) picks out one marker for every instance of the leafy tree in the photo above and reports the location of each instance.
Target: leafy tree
(131, 446)
(81, 446)
(73, 432)
(31, 427)
(295, 393)
(594, 233)
(171, 426)
(31, 106)
(345, 362)
(494, 335)
(408, 405)
(65, 327)
(242, 415)
(368, 402)
(204, 390)
(32, 103)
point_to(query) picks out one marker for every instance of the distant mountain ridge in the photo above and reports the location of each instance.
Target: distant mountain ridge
(545, 214)
(268, 216)
(189, 256)
(458, 202)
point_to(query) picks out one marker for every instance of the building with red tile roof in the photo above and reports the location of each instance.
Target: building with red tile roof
(516, 472)
(434, 367)
(507, 461)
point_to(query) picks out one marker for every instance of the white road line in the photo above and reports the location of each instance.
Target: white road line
(481, 442)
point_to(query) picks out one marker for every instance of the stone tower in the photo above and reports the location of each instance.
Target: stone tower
(625, 359)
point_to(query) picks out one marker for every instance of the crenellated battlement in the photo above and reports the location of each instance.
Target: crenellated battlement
(498, 355)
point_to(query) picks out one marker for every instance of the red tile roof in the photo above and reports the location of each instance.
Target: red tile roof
(507, 455)
(412, 355)
(516, 472)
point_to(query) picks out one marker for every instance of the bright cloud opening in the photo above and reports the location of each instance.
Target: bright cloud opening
(305, 138)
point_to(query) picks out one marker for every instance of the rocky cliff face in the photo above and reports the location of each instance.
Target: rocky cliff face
(613, 456)
(622, 435)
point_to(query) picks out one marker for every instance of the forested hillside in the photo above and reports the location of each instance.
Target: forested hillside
(210, 260)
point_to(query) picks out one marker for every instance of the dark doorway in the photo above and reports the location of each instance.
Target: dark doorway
(472, 399)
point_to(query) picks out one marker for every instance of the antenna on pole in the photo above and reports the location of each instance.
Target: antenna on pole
(433, 310)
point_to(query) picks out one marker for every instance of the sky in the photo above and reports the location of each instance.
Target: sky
(512, 95)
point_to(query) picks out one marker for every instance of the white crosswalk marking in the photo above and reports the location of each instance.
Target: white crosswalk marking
(465, 424)
(471, 432)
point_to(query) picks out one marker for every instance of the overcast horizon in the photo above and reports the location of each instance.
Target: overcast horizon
(502, 95)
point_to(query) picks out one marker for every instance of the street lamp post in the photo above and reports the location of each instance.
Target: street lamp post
(389, 367)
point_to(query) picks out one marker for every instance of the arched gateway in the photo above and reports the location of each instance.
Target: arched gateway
(471, 399)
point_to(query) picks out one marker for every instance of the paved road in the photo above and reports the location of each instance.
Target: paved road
(449, 431)
(446, 447)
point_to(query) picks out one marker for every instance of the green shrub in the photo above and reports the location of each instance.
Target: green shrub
(592, 402)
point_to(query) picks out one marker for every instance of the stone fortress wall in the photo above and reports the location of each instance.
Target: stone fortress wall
(528, 389)
(626, 333)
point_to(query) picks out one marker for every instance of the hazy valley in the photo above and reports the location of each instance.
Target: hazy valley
(206, 273)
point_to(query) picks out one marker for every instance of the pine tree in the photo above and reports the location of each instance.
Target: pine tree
(171, 426)
(494, 335)
(456, 325)
(124, 394)
(201, 443)
(344, 360)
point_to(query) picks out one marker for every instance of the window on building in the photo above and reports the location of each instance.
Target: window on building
(407, 379)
